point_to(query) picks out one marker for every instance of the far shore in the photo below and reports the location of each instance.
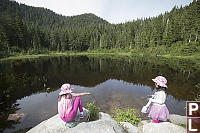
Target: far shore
(127, 54)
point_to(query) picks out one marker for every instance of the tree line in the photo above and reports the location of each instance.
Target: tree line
(26, 29)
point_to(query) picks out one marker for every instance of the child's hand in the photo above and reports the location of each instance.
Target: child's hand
(148, 99)
(149, 95)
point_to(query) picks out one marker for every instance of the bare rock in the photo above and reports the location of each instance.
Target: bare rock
(105, 124)
(163, 127)
(178, 119)
(129, 127)
(15, 117)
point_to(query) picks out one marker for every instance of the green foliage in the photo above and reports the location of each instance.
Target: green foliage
(127, 116)
(94, 111)
(182, 125)
(189, 49)
(197, 98)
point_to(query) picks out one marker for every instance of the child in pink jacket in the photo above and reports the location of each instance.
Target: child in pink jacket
(67, 108)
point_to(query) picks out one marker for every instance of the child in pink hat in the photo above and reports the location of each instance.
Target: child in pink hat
(67, 109)
(157, 109)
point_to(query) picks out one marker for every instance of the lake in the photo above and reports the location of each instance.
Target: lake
(114, 82)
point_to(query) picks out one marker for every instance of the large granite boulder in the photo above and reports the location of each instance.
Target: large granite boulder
(105, 124)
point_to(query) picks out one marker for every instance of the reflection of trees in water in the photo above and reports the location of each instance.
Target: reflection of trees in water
(15, 83)
(6, 109)
(24, 77)
(90, 71)
(31, 75)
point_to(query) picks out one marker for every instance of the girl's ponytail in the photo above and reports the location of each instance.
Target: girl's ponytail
(67, 95)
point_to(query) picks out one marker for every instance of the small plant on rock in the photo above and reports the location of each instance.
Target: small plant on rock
(94, 112)
(127, 116)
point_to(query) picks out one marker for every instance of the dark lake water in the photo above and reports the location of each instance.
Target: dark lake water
(113, 82)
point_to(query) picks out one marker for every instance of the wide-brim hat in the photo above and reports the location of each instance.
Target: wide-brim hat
(66, 88)
(161, 81)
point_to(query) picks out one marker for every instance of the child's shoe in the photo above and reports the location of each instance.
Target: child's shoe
(81, 115)
(155, 121)
(70, 124)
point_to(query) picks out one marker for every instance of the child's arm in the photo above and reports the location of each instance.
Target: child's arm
(148, 103)
(81, 94)
(150, 96)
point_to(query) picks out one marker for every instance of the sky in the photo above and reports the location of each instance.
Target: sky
(114, 11)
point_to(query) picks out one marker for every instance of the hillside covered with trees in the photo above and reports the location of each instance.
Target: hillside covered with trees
(33, 30)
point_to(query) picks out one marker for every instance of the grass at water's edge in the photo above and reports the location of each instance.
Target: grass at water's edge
(94, 53)
(182, 125)
(26, 56)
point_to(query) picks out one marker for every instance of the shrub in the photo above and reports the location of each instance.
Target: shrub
(127, 116)
(94, 112)
(189, 50)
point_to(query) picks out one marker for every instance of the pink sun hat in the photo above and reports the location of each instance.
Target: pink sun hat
(65, 88)
(161, 81)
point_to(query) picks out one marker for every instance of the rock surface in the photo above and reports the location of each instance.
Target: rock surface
(55, 125)
(143, 122)
(15, 117)
(178, 119)
(106, 124)
(129, 127)
(163, 127)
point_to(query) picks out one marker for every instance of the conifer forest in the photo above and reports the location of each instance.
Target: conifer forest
(33, 30)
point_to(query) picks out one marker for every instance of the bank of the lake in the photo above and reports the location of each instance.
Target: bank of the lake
(26, 56)
(99, 53)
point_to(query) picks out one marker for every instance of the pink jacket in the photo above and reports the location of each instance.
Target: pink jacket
(64, 106)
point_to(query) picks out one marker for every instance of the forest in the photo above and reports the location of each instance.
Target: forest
(33, 30)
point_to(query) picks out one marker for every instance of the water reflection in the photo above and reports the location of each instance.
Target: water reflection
(114, 82)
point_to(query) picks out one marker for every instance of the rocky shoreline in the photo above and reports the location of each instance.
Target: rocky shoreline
(105, 124)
